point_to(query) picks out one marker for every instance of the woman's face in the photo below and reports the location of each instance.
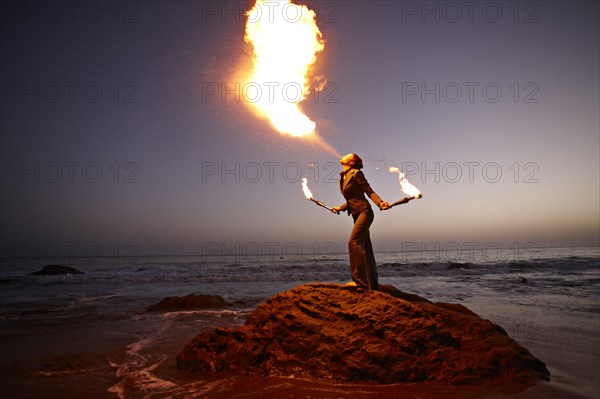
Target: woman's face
(346, 161)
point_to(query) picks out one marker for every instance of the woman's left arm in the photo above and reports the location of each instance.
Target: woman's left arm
(366, 187)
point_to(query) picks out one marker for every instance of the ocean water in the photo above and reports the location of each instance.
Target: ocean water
(88, 335)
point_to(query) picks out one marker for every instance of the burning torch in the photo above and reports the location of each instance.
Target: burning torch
(406, 187)
(309, 196)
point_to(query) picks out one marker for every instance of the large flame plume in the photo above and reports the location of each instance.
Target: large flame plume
(405, 185)
(286, 41)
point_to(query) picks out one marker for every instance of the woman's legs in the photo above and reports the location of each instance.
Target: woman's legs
(362, 259)
(371, 267)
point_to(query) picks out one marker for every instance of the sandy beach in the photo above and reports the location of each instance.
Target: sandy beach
(137, 359)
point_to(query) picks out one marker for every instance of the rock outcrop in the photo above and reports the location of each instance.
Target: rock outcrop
(189, 302)
(328, 331)
(51, 270)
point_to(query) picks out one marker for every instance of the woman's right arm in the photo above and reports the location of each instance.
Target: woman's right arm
(338, 209)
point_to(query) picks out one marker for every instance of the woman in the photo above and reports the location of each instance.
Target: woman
(353, 186)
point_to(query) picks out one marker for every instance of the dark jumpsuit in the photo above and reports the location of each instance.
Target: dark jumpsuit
(353, 186)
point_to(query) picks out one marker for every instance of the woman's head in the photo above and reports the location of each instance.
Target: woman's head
(351, 161)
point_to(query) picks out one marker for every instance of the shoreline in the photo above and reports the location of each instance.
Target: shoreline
(71, 334)
(99, 363)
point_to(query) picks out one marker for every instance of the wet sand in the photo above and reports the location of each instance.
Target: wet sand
(133, 358)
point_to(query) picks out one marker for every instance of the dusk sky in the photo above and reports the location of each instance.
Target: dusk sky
(115, 129)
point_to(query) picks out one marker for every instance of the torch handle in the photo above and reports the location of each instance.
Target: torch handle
(402, 201)
(321, 204)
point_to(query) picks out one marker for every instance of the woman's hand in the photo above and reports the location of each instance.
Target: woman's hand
(336, 209)
(384, 205)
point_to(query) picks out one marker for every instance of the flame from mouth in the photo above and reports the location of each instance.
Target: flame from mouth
(286, 41)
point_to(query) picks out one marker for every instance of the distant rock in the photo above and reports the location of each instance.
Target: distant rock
(328, 331)
(51, 270)
(454, 266)
(189, 302)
